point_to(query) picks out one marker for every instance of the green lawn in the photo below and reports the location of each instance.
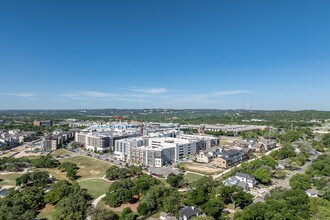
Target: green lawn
(9, 179)
(60, 152)
(89, 167)
(95, 187)
(192, 177)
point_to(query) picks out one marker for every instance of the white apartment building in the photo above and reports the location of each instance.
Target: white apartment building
(122, 148)
(161, 151)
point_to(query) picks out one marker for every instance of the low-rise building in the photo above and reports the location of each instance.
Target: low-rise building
(204, 157)
(188, 212)
(243, 180)
(229, 158)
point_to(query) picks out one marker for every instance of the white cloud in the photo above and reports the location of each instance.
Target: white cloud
(88, 94)
(230, 92)
(24, 95)
(152, 91)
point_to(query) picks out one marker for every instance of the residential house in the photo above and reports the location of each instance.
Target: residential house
(188, 212)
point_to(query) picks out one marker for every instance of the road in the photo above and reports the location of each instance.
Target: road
(285, 183)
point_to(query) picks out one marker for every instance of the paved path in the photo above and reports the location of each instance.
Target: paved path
(97, 200)
(285, 183)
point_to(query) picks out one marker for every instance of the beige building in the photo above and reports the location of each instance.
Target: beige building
(204, 157)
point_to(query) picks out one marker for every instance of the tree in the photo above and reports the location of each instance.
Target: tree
(213, 207)
(242, 199)
(60, 190)
(127, 214)
(103, 214)
(319, 208)
(22, 204)
(325, 193)
(300, 181)
(262, 175)
(175, 180)
(70, 169)
(119, 192)
(326, 140)
(73, 207)
(143, 184)
(36, 178)
(171, 204)
(45, 162)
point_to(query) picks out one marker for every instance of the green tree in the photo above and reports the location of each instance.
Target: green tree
(213, 207)
(45, 162)
(73, 207)
(36, 178)
(300, 181)
(60, 190)
(103, 214)
(175, 180)
(262, 175)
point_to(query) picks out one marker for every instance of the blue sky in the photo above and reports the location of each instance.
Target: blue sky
(165, 54)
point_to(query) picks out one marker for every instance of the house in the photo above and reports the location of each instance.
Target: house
(188, 212)
(269, 143)
(281, 165)
(204, 157)
(258, 147)
(229, 158)
(312, 192)
(250, 180)
(247, 152)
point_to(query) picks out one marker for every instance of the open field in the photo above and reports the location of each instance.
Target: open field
(89, 167)
(55, 173)
(192, 177)
(60, 152)
(47, 213)
(200, 168)
(9, 179)
(95, 187)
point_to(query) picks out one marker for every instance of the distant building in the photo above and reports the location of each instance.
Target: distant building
(44, 123)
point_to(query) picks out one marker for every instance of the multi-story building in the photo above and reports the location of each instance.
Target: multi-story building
(44, 123)
(161, 151)
(202, 141)
(122, 147)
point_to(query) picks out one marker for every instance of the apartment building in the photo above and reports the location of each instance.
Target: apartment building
(93, 141)
(44, 123)
(161, 151)
(202, 141)
(122, 147)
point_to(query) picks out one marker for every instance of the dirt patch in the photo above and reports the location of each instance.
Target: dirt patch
(200, 168)
(121, 208)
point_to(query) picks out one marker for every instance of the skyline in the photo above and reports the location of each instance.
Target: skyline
(270, 55)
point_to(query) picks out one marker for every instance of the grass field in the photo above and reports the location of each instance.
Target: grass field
(60, 152)
(47, 213)
(192, 177)
(89, 167)
(9, 179)
(95, 187)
